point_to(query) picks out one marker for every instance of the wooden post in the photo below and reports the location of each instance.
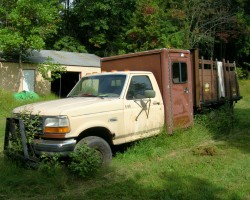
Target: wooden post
(225, 77)
(23, 139)
(212, 80)
(7, 134)
(196, 78)
(202, 75)
(229, 80)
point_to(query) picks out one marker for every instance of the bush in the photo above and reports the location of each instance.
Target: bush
(50, 164)
(85, 161)
(218, 121)
(242, 73)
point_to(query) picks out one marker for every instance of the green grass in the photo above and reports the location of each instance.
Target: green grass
(208, 161)
(8, 102)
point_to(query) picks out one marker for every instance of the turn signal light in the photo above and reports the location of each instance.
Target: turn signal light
(65, 129)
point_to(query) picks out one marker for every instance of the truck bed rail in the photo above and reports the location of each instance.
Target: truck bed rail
(215, 82)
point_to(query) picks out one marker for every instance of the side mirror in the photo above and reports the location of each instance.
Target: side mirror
(149, 93)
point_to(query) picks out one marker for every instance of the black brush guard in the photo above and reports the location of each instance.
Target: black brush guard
(11, 134)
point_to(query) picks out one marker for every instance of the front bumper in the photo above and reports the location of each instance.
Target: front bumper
(63, 147)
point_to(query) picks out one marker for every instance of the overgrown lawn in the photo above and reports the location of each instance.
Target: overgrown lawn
(209, 161)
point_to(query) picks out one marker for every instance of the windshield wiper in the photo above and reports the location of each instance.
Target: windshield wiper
(87, 95)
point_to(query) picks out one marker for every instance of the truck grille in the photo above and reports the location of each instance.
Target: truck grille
(33, 124)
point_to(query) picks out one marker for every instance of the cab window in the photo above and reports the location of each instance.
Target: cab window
(137, 87)
(179, 71)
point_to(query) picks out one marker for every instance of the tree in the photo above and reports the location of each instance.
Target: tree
(70, 44)
(25, 24)
(242, 42)
(100, 25)
(214, 26)
(51, 71)
(151, 27)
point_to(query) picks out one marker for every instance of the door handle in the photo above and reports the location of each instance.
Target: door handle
(186, 90)
(156, 103)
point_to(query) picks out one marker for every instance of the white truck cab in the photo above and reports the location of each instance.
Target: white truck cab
(102, 110)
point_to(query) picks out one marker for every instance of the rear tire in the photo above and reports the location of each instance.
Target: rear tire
(98, 144)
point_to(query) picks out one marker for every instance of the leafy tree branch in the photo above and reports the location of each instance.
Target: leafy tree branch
(51, 71)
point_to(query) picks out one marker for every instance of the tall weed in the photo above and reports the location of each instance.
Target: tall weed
(218, 121)
(7, 103)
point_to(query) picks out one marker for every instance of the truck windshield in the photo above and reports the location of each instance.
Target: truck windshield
(99, 86)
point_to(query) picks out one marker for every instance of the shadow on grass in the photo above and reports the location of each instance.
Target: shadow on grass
(17, 181)
(238, 133)
(242, 117)
(169, 186)
(229, 126)
(172, 187)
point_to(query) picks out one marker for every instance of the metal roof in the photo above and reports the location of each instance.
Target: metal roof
(65, 58)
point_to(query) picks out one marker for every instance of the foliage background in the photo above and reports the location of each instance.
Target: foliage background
(219, 28)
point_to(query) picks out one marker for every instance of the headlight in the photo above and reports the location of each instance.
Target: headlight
(57, 124)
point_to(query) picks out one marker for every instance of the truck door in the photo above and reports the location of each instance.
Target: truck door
(143, 116)
(181, 91)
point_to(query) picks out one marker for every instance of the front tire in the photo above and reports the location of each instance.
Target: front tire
(98, 144)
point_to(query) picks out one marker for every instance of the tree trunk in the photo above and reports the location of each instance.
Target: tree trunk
(20, 74)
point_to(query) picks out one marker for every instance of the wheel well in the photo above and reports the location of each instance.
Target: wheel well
(101, 132)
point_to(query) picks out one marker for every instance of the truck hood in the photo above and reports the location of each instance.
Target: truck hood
(72, 106)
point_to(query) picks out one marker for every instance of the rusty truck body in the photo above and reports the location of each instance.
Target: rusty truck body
(187, 83)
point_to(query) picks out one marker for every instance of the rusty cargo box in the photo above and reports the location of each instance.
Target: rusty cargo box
(186, 82)
(173, 73)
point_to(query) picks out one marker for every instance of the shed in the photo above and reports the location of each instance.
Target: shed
(28, 78)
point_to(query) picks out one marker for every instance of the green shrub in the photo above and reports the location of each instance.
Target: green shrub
(31, 125)
(50, 164)
(218, 121)
(242, 73)
(84, 162)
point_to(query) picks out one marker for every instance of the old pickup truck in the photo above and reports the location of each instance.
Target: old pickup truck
(134, 97)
